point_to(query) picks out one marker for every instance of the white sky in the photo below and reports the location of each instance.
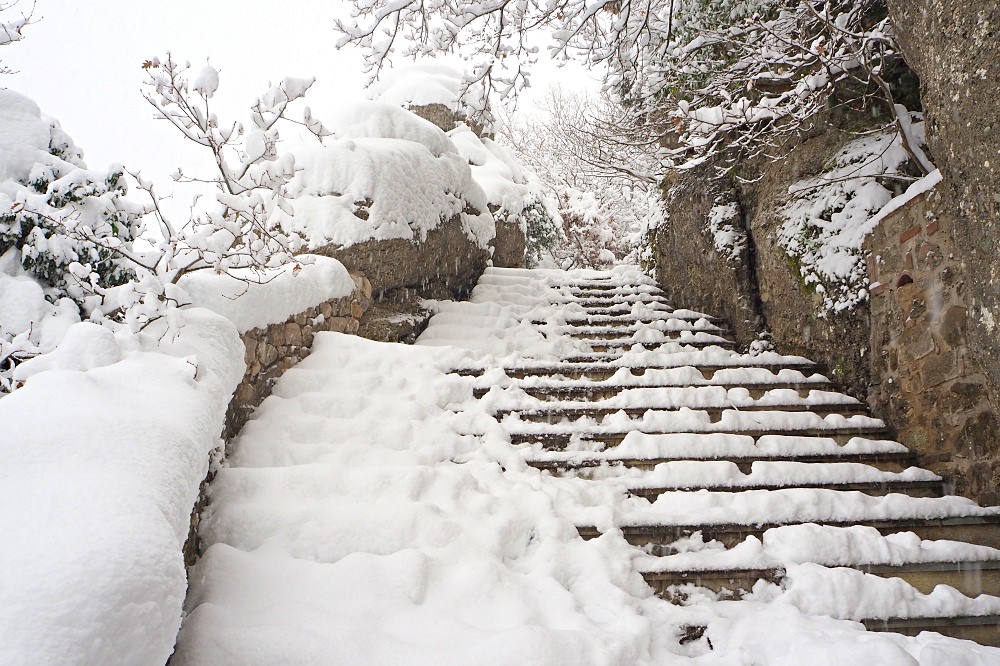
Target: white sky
(81, 62)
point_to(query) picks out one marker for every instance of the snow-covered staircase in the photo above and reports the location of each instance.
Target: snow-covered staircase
(740, 468)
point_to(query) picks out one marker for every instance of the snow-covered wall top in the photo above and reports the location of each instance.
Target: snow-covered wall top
(270, 297)
(391, 175)
(101, 461)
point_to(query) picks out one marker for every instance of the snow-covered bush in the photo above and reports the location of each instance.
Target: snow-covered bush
(592, 241)
(58, 221)
(53, 209)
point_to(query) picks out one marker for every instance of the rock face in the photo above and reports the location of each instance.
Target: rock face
(761, 287)
(439, 114)
(444, 265)
(923, 351)
(690, 268)
(509, 245)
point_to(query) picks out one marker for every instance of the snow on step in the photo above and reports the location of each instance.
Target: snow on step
(683, 433)
(682, 376)
(687, 420)
(665, 398)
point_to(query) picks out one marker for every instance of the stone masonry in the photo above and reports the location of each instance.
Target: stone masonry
(927, 383)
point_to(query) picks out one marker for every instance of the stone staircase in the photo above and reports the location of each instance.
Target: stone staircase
(763, 442)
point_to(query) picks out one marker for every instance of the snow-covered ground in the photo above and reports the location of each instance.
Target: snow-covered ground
(374, 512)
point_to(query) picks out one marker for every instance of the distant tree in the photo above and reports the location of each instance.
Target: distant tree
(600, 181)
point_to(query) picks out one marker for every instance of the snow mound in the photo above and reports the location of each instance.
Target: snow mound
(420, 84)
(355, 190)
(101, 462)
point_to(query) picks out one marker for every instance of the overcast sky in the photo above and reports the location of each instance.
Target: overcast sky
(82, 63)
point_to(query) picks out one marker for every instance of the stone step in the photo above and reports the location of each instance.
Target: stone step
(969, 578)
(610, 301)
(883, 461)
(560, 440)
(983, 530)
(983, 629)
(557, 413)
(603, 288)
(628, 332)
(874, 488)
(599, 371)
(615, 296)
(624, 311)
(629, 337)
(604, 346)
(595, 392)
(635, 322)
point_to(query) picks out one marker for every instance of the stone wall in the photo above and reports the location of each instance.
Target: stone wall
(273, 349)
(955, 49)
(928, 383)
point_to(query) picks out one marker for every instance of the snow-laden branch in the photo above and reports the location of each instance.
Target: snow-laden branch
(705, 79)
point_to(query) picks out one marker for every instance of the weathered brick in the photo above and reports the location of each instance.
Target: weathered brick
(914, 343)
(909, 233)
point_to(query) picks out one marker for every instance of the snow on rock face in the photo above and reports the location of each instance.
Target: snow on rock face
(829, 216)
(384, 187)
(99, 468)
